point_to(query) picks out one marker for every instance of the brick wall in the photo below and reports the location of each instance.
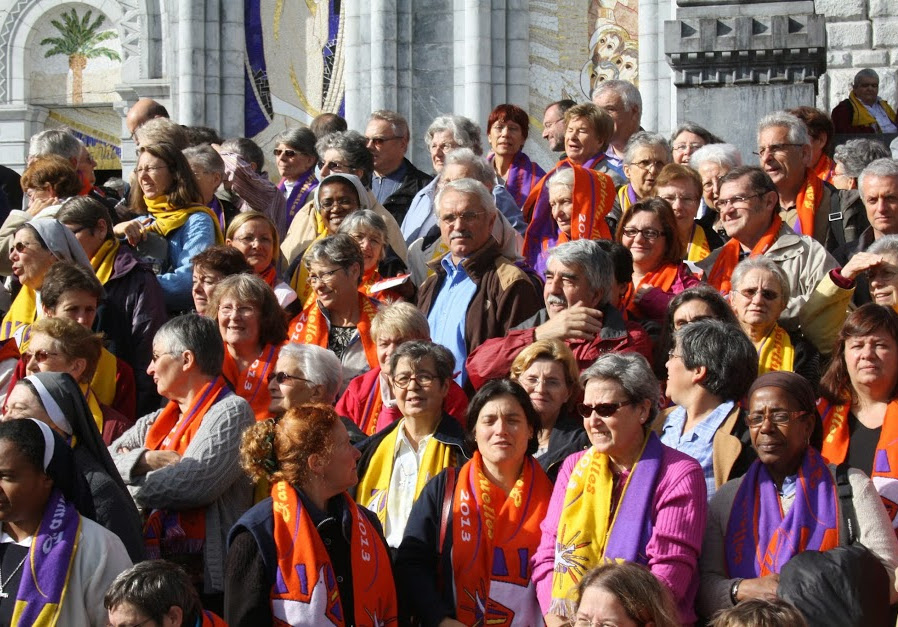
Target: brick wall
(860, 33)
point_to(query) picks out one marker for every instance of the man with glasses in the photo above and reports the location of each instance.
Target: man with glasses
(475, 293)
(580, 284)
(396, 180)
(749, 211)
(553, 124)
(306, 373)
(807, 204)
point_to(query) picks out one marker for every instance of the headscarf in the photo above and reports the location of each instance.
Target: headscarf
(60, 241)
(65, 396)
(350, 178)
(795, 384)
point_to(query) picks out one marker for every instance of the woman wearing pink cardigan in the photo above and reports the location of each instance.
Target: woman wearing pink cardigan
(627, 498)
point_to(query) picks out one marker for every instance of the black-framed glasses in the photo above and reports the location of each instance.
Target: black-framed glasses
(750, 292)
(424, 379)
(723, 203)
(603, 410)
(649, 234)
(283, 376)
(323, 277)
(778, 417)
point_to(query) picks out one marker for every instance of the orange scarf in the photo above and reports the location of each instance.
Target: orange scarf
(824, 169)
(306, 590)
(663, 278)
(806, 204)
(835, 443)
(494, 535)
(310, 327)
(252, 383)
(371, 412)
(728, 258)
(270, 276)
(178, 532)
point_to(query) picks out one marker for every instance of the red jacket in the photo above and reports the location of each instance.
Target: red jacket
(493, 358)
(354, 401)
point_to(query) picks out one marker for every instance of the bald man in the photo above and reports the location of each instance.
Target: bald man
(142, 112)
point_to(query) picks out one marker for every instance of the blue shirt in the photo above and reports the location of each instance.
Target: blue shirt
(450, 311)
(698, 443)
(385, 186)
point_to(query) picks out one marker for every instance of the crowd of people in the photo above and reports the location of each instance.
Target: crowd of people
(653, 383)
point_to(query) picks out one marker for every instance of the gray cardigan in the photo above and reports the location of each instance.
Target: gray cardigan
(208, 475)
(876, 534)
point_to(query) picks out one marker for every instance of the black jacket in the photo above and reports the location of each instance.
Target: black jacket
(567, 437)
(400, 200)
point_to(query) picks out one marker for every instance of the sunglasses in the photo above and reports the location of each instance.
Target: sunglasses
(286, 152)
(40, 356)
(603, 410)
(283, 376)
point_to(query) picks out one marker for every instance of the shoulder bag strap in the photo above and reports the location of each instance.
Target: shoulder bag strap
(848, 535)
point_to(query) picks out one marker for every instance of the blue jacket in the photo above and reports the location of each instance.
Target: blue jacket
(197, 234)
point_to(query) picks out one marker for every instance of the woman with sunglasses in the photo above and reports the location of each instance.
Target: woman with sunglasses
(467, 547)
(252, 327)
(859, 404)
(786, 503)
(398, 461)
(627, 498)
(295, 158)
(760, 292)
(649, 231)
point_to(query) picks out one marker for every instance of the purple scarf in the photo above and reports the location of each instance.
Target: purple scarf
(50, 559)
(299, 195)
(218, 210)
(521, 177)
(759, 540)
(628, 541)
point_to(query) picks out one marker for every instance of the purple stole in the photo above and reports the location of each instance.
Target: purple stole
(521, 177)
(299, 195)
(760, 540)
(52, 553)
(594, 161)
(218, 210)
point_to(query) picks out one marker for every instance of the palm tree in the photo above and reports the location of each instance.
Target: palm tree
(78, 42)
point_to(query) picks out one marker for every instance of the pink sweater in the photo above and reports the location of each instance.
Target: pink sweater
(679, 510)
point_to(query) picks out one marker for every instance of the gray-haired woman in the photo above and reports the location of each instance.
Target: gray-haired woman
(339, 317)
(627, 469)
(369, 230)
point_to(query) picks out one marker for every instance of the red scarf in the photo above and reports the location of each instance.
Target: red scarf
(270, 276)
(806, 204)
(252, 383)
(179, 532)
(835, 443)
(488, 524)
(306, 583)
(310, 327)
(728, 258)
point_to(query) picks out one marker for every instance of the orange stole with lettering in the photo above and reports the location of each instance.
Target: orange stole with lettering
(825, 169)
(663, 278)
(806, 204)
(305, 591)
(252, 383)
(310, 327)
(835, 442)
(728, 258)
(485, 523)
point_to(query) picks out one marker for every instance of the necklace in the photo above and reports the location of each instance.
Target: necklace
(3, 584)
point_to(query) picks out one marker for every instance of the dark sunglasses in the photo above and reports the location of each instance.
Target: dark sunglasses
(603, 410)
(283, 376)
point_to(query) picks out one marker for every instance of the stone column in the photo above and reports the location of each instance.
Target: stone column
(18, 122)
(736, 61)
(191, 84)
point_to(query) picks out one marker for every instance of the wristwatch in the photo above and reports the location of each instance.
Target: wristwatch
(734, 590)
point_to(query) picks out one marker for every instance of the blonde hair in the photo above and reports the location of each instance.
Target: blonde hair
(402, 319)
(552, 350)
(247, 216)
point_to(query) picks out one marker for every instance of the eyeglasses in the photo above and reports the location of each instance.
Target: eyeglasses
(777, 149)
(549, 125)
(675, 199)
(343, 203)
(40, 356)
(248, 240)
(531, 382)
(423, 379)
(777, 417)
(649, 164)
(685, 147)
(649, 234)
(20, 247)
(287, 152)
(377, 142)
(334, 166)
(242, 311)
(751, 292)
(671, 354)
(154, 357)
(151, 168)
(468, 216)
(723, 203)
(323, 277)
(447, 147)
(283, 376)
(603, 410)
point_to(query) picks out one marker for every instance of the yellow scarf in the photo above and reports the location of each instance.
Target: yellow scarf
(23, 311)
(168, 219)
(863, 117)
(776, 353)
(375, 484)
(299, 282)
(698, 247)
(104, 259)
(103, 382)
(93, 404)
